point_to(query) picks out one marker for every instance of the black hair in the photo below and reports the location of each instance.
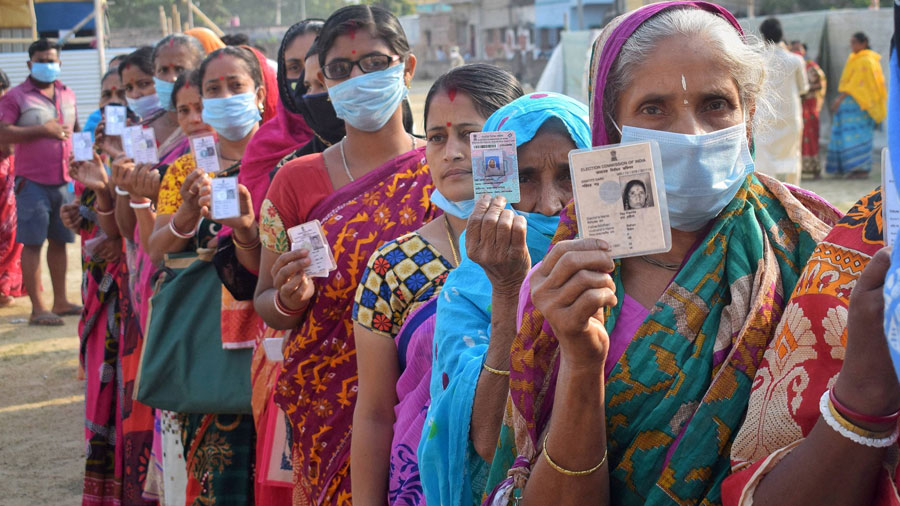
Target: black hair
(181, 40)
(628, 186)
(4, 81)
(296, 30)
(379, 22)
(110, 72)
(116, 61)
(141, 58)
(861, 38)
(191, 77)
(771, 30)
(235, 39)
(42, 44)
(489, 87)
(243, 54)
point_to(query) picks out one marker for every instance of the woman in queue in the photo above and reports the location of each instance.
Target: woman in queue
(229, 79)
(369, 188)
(395, 303)
(630, 378)
(476, 312)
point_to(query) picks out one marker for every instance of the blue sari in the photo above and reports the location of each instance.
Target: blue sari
(452, 473)
(852, 133)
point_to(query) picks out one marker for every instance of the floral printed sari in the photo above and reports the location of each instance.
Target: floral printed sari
(317, 387)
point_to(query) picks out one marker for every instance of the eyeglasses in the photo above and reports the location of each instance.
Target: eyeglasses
(341, 68)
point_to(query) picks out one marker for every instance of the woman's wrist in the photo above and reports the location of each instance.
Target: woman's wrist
(865, 398)
(585, 365)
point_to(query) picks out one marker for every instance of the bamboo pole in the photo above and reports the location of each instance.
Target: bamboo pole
(176, 19)
(169, 25)
(162, 20)
(190, 14)
(208, 22)
(34, 31)
(101, 35)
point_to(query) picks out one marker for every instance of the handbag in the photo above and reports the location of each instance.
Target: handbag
(183, 365)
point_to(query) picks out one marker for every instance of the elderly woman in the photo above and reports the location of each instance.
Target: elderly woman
(476, 309)
(630, 378)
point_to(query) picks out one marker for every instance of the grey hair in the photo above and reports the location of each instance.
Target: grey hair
(743, 57)
(181, 40)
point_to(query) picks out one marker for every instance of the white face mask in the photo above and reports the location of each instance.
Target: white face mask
(702, 173)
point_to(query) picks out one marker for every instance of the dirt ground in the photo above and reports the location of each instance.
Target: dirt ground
(42, 401)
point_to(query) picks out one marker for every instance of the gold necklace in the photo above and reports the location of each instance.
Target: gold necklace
(665, 265)
(450, 238)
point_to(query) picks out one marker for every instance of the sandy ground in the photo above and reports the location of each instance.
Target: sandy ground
(42, 401)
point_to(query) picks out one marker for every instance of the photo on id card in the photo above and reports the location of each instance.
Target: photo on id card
(311, 237)
(620, 197)
(495, 166)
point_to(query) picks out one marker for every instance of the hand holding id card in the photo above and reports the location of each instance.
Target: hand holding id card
(205, 154)
(114, 117)
(311, 237)
(495, 166)
(82, 146)
(225, 200)
(620, 197)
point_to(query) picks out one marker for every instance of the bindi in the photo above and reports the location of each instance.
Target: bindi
(451, 94)
(449, 124)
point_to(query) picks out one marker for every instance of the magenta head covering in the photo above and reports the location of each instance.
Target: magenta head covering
(610, 42)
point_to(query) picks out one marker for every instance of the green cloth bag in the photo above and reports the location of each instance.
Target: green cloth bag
(183, 365)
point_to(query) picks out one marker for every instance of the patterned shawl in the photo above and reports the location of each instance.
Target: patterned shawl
(317, 387)
(678, 394)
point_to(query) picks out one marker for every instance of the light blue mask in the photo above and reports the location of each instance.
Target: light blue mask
(541, 230)
(145, 106)
(368, 101)
(232, 117)
(164, 92)
(462, 209)
(702, 173)
(45, 72)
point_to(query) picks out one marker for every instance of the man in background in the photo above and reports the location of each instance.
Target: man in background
(38, 118)
(780, 134)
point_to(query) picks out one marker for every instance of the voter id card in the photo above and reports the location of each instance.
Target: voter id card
(620, 197)
(82, 146)
(143, 143)
(205, 154)
(225, 203)
(495, 166)
(311, 237)
(114, 116)
(890, 200)
(129, 134)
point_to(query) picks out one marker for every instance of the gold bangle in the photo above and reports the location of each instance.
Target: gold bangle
(852, 427)
(245, 246)
(491, 370)
(565, 471)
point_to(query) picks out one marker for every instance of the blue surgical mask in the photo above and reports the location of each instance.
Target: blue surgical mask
(368, 101)
(145, 106)
(164, 92)
(462, 209)
(702, 173)
(45, 72)
(232, 117)
(541, 230)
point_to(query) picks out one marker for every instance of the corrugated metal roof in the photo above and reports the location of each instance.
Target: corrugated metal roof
(80, 71)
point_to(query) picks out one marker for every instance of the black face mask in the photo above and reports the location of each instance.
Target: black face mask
(319, 114)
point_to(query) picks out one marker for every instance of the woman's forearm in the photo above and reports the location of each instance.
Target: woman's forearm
(576, 442)
(108, 222)
(492, 389)
(125, 220)
(163, 240)
(370, 456)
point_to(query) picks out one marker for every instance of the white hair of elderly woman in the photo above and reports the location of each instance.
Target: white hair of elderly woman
(743, 57)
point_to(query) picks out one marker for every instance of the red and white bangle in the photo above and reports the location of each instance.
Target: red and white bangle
(284, 310)
(104, 213)
(180, 235)
(859, 417)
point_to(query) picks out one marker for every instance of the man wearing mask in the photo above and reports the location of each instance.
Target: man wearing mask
(38, 118)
